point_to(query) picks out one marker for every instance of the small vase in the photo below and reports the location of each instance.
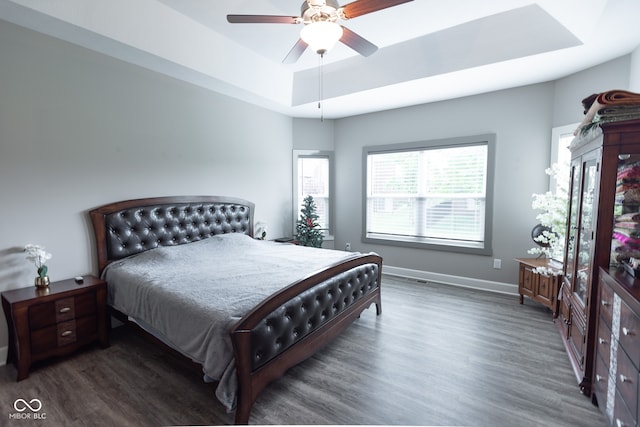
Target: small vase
(42, 281)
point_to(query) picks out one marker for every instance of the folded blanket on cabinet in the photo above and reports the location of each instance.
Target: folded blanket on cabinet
(631, 216)
(609, 100)
(628, 232)
(634, 243)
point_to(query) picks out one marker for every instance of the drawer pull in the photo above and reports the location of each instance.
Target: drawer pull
(604, 302)
(64, 310)
(619, 423)
(625, 379)
(602, 341)
(627, 331)
(599, 378)
(66, 333)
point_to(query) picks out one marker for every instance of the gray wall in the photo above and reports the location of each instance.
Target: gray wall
(634, 71)
(79, 129)
(568, 92)
(314, 134)
(522, 119)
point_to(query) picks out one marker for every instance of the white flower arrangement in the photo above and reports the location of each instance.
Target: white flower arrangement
(39, 257)
(554, 214)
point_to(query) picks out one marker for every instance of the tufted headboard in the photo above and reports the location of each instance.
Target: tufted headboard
(132, 226)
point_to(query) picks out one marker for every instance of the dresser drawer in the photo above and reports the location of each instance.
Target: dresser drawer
(622, 416)
(606, 302)
(60, 310)
(627, 381)
(629, 333)
(84, 329)
(603, 342)
(601, 382)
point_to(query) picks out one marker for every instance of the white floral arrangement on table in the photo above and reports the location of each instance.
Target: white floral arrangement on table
(39, 257)
(553, 217)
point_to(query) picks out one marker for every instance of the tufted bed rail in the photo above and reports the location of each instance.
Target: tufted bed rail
(296, 322)
(284, 329)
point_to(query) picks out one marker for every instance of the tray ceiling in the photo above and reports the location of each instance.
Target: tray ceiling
(428, 50)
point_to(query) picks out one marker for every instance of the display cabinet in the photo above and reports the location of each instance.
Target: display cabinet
(592, 208)
(617, 340)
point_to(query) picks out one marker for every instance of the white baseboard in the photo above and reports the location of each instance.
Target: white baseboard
(3, 355)
(465, 282)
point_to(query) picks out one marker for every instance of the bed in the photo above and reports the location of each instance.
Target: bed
(188, 272)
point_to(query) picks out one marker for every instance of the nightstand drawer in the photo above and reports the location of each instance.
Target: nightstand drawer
(80, 330)
(60, 310)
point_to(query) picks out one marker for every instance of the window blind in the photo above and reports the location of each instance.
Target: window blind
(434, 193)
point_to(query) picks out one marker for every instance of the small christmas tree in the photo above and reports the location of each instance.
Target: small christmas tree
(308, 231)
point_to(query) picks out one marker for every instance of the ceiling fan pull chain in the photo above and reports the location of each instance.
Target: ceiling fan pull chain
(321, 87)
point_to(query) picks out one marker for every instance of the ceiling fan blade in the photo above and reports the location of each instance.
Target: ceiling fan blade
(296, 51)
(358, 43)
(362, 7)
(262, 19)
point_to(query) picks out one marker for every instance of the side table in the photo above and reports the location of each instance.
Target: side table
(54, 321)
(541, 288)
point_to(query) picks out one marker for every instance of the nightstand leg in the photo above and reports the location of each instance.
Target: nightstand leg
(22, 356)
(11, 351)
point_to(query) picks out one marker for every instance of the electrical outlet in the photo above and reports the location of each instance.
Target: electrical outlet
(497, 263)
(347, 246)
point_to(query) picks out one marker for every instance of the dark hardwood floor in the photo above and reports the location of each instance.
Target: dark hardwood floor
(438, 355)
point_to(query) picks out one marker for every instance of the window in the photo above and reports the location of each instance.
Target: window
(431, 194)
(312, 177)
(559, 173)
(561, 137)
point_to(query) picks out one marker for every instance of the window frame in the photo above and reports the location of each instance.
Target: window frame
(323, 154)
(556, 135)
(485, 248)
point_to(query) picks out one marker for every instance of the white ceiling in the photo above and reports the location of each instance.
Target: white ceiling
(428, 50)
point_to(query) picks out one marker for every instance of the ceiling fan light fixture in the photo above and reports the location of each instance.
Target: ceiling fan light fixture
(321, 36)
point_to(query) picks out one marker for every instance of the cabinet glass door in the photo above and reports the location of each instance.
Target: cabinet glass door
(625, 242)
(574, 210)
(586, 233)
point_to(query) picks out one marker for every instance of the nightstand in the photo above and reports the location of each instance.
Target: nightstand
(54, 321)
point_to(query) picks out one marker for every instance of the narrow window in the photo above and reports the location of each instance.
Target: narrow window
(312, 177)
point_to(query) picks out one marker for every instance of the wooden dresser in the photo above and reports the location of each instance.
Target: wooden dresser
(617, 366)
(54, 321)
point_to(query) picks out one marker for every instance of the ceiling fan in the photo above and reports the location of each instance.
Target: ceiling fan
(320, 29)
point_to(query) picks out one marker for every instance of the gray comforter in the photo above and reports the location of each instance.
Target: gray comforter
(191, 295)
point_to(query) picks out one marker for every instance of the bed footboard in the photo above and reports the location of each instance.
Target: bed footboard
(294, 323)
